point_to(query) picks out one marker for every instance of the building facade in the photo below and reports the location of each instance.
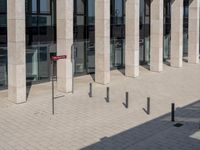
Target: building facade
(102, 34)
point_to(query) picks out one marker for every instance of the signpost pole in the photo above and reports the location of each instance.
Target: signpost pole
(54, 59)
(73, 65)
(52, 78)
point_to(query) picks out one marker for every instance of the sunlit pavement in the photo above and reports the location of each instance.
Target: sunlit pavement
(87, 123)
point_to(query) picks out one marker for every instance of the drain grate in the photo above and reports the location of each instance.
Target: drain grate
(178, 125)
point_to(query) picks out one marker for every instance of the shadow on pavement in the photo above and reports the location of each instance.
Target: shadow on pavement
(159, 133)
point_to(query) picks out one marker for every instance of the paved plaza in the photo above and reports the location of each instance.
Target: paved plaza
(87, 123)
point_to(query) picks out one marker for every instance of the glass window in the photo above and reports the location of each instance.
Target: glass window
(3, 6)
(167, 29)
(40, 38)
(3, 44)
(144, 31)
(117, 33)
(185, 28)
(84, 14)
(31, 6)
(45, 6)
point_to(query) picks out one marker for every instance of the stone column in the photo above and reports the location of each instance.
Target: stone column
(156, 37)
(64, 44)
(177, 33)
(102, 41)
(132, 38)
(16, 51)
(193, 41)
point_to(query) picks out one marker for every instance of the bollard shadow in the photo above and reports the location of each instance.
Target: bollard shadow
(89, 94)
(57, 97)
(159, 133)
(125, 105)
(106, 99)
(146, 111)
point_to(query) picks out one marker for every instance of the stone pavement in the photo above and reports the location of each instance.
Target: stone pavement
(87, 123)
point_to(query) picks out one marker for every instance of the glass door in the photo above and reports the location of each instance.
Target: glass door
(185, 28)
(90, 36)
(144, 31)
(40, 39)
(84, 36)
(3, 44)
(117, 33)
(167, 29)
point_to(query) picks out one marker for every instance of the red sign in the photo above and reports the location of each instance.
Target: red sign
(55, 58)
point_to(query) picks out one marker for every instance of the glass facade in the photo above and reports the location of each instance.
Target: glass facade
(117, 33)
(3, 44)
(40, 38)
(144, 31)
(84, 36)
(167, 30)
(185, 27)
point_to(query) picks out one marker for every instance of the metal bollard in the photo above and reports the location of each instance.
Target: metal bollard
(90, 90)
(108, 94)
(172, 112)
(148, 105)
(127, 99)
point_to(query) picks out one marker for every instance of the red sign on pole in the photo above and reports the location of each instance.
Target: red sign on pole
(55, 58)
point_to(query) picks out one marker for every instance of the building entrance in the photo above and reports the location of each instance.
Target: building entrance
(185, 28)
(117, 33)
(144, 32)
(84, 36)
(40, 38)
(3, 44)
(167, 30)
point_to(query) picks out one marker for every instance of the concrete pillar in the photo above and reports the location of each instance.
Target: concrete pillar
(156, 37)
(193, 41)
(132, 38)
(16, 51)
(102, 41)
(64, 44)
(177, 33)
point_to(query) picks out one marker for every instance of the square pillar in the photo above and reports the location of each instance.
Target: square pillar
(132, 38)
(64, 44)
(156, 36)
(102, 41)
(177, 33)
(16, 51)
(193, 40)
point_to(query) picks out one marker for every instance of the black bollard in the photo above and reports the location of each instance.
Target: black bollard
(172, 112)
(148, 105)
(108, 94)
(127, 99)
(90, 90)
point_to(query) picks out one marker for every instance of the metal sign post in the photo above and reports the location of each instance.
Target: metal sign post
(54, 59)
(52, 79)
(73, 55)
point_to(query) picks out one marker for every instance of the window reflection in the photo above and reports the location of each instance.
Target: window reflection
(185, 28)
(84, 36)
(144, 31)
(167, 29)
(40, 38)
(3, 44)
(117, 33)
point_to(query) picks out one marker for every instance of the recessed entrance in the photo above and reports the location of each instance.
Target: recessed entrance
(144, 32)
(84, 36)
